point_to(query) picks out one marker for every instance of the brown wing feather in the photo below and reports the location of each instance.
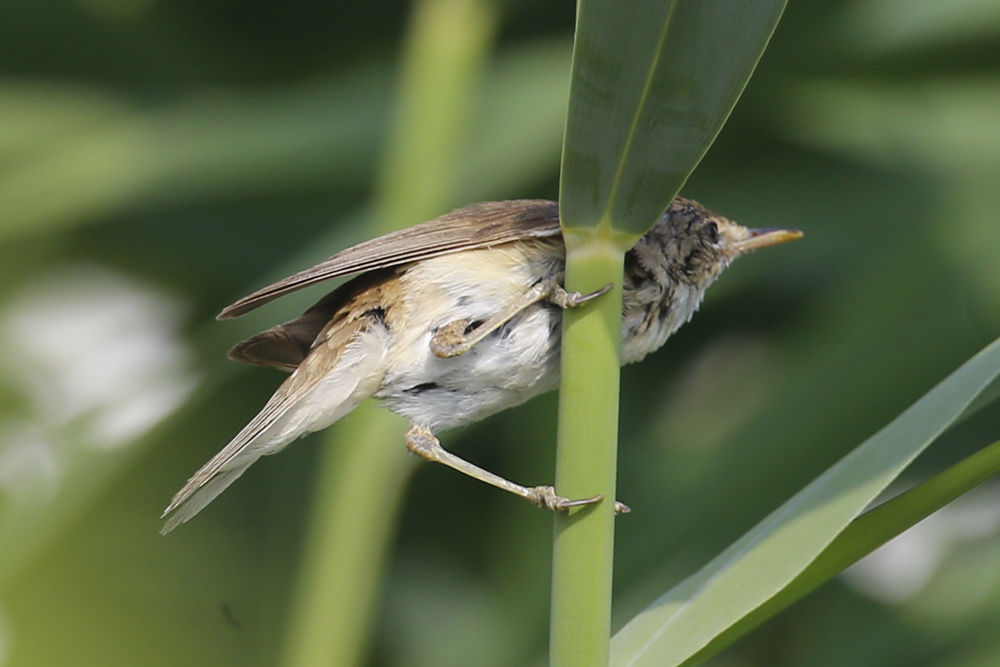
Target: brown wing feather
(286, 345)
(475, 226)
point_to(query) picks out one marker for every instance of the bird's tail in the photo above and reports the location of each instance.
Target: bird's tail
(335, 377)
(267, 433)
(196, 502)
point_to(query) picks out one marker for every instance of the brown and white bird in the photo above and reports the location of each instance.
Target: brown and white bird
(453, 320)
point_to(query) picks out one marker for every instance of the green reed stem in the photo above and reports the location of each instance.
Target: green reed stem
(364, 473)
(586, 456)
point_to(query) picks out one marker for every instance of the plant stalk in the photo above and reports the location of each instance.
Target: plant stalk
(586, 456)
(364, 473)
(362, 477)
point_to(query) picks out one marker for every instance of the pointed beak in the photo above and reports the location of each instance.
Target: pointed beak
(762, 238)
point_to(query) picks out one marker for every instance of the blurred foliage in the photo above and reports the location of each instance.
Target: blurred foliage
(160, 158)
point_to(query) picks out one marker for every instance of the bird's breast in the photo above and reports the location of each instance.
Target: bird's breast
(652, 315)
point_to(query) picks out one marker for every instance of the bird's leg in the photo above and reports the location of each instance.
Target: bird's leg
(420, 441)
(459, 336)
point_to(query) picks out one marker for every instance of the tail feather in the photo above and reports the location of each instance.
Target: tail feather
(203, 495)
(254, 440)
(330, 382)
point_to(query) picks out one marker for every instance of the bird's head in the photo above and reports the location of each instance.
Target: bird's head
(697, 244)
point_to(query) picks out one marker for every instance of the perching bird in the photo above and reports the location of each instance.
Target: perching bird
(453, 320)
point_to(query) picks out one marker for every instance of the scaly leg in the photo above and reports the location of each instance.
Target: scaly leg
(456, 338)
(422, 442)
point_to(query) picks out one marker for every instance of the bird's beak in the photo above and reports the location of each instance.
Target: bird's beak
(762, 238)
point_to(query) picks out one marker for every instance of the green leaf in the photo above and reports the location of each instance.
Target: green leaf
(758, 566)
(651, 87)
(867, 533)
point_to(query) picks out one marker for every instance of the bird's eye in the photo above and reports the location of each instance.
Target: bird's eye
(712, 232)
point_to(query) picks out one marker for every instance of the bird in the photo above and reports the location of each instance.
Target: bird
(455, 319)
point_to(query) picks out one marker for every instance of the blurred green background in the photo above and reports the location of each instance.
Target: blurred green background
(161, 158)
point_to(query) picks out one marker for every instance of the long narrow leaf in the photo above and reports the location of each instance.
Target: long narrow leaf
(776, 551)
(867, 533)
(652, 84)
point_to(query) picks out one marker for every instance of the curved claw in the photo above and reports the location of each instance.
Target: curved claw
(546, 498)
(564, 299)
(565, 504)
(593, 295)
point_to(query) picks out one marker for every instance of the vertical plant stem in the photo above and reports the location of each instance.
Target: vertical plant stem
(365, 467)
(441, 69)
(586, 457)
(340, 575)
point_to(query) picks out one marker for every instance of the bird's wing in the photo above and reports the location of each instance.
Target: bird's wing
(286, 345)
(476, 226)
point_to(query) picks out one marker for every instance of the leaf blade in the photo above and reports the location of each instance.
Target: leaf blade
(634, 134)
(866, 534)
(770, 556)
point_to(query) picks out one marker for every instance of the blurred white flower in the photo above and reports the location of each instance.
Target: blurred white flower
(96, 360)
(29, 467)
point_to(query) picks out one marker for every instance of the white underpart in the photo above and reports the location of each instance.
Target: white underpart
(510, 366)
(518, 361)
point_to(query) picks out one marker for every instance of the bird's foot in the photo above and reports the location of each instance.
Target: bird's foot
(564, 299)
(547, 498)
(451, 340)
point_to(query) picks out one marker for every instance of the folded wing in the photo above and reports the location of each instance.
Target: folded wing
(475, 226)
